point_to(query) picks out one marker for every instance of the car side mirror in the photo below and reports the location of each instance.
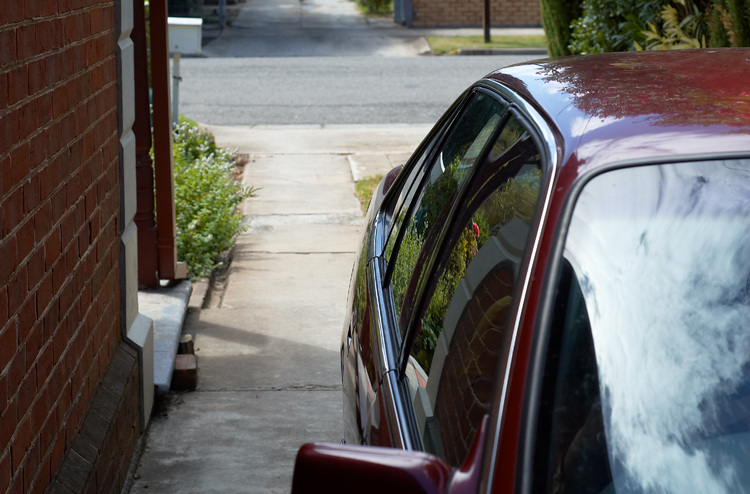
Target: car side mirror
(390, 177)
(340, 468)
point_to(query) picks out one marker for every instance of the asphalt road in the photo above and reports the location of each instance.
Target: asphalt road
(328, 90)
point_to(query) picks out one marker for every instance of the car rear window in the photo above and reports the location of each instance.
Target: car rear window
(647, 378)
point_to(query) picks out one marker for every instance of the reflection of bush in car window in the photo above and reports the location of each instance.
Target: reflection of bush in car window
(514, 200)
(442, 182)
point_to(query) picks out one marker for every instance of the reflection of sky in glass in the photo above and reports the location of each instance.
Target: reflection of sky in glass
(663, 257)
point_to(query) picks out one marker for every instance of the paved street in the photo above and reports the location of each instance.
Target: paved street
(328, 90)
(267, 342)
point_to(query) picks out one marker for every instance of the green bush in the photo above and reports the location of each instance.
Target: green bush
(613, 25)
(376, 6)
(206, 199)
(682, 26)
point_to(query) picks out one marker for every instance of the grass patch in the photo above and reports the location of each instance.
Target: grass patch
(365, 188)
(449, 45)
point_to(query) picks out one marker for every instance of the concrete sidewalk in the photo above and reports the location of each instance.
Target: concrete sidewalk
(268, 352)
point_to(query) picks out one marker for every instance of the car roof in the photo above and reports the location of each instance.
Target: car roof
(639, 106)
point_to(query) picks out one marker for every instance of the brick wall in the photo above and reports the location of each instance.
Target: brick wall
(59, 243)
(471, 12)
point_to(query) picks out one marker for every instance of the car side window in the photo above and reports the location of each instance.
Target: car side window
(430, 201)
(464, 326)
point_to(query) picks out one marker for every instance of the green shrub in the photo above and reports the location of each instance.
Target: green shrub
(613, 25)
(683, 25)
(378, 7)
(206, 199)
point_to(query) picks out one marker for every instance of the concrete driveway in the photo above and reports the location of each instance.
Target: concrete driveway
(267, 340)
(304, 28)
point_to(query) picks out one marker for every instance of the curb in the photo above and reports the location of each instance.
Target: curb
(503, 51)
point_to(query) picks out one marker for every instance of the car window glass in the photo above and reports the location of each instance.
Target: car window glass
(647, 376)
(454, 357)
(443, 178)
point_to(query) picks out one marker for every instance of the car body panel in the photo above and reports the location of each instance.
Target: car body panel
(591, 114)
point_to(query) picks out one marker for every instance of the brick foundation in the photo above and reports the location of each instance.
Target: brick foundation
(99, 458)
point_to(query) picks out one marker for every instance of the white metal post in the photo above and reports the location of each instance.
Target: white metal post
(175, 89)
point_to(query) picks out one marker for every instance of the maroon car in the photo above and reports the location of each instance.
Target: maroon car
(553, 294)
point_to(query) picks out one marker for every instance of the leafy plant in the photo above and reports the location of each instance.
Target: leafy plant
(376, 7)
(206, 198)
(683, 26)
(612, 25)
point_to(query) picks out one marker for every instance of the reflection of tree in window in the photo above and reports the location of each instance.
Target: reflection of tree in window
(516, 199)
(463, 334)
(442, 182)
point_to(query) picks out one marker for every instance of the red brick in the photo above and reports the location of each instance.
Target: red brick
(19, 162)
(3, 392)
(35, 267)
(3, 318)
(46, 36)
(49, 7)
(8, 423)
(17, 290)
(49, 429)
(26, 321)
(31, 194)
(58, 276)
(59, 205)
(20, 443)
(8, 253)
(9, 132)
(38, 145)
(44, 294)
(26, 394)
(5, 471)
(12, 209)
(43, 115)
(8, 344)
(52, 249)
(67, 228)
(25, 239)
(31, 469)
(60, 101)
(11, 12)
(7, 48)
(43, 220)
(37, 75)
(25, 41)
(49, 181)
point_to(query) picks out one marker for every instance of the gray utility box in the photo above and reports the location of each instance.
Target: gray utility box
(185, 35)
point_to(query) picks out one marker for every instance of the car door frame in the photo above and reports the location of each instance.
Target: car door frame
(384, 331)
(544, 138)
